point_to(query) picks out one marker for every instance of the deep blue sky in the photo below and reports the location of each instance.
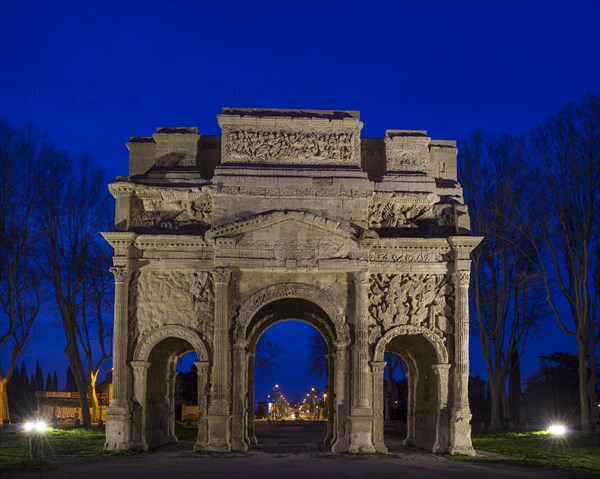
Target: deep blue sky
(93, 73)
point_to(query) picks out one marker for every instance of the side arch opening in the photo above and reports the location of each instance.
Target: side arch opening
(427, 390)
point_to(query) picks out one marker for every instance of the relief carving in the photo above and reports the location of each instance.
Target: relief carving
(290, 147)
(423, 300)
(175, 208)
(390, 214)
(158, 298)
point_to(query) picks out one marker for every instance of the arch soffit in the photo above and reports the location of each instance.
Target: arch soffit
(322, 325)
(150, 340)
(436, 342)
(324, 300)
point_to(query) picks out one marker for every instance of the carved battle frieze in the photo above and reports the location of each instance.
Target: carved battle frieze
(390, 214)
(290, 147)
(171, 208)
(158, 298)
(398, 213)
(425, 300)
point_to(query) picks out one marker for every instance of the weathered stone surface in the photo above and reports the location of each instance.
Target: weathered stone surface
(290, 222)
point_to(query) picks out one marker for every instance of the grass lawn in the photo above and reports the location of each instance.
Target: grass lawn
(575, 451)
(56, 444)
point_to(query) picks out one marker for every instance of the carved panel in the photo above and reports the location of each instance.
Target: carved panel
(406, 153)
(158, 298)
(424, 300)
(291, 147)
(390, 214)
(172, 208)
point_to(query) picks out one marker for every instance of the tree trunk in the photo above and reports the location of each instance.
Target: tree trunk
(592, 395)
(94, 397)
(495, 421)
(583, 388)
(514, 389)
(4, 412)
(81, 380)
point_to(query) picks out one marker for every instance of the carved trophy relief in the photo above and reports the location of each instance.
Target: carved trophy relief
(173, 209)
(288, 146)
(158, 298)
(411, 156)
(424, 300)
(390, 214)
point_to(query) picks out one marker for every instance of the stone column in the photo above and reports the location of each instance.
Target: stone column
(219, 409)
(342, 409)
(171, 386)
(361, 439)
(201, 442)
(413, 382)
(460, 427)
(251, 437)
(240, 412)
(140, 381)
(377, 368)
(118, 414)
(441, 440)
(331, 415)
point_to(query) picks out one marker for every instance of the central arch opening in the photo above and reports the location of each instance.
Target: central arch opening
(290, 376)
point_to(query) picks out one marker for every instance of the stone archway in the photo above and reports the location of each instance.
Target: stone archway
(154, 378)
(426, 357)
(267, 307)
(291, 209)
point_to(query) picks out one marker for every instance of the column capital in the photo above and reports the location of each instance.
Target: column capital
(139, 365)
(341, 345)
(461, 278)
(221, 275)
(121, 273)
(377, 366)
(440, 369)
(362, 277)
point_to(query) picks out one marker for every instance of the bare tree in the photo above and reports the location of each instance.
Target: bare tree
(565, 162)
(317, 354)
(94, 328)
(76, 207)
(267, 354)
(20, 291)
(506, 284)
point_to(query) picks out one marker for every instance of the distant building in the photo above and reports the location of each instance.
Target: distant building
(65, 406)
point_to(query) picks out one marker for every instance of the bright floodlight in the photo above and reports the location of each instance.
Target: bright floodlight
(557, 429)
(37, 426)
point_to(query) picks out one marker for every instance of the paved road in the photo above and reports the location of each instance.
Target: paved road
(289, 452)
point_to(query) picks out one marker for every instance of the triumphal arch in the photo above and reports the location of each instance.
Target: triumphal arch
(290, 214)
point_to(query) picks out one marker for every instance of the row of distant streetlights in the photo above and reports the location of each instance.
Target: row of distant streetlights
(312, 406)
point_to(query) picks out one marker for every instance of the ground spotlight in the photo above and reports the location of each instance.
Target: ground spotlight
(37, 426)
(557, 429)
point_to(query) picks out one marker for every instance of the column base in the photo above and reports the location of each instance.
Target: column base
(460, 433)
(118, 429)
(361, 435)
(380, 448)
(218, 433)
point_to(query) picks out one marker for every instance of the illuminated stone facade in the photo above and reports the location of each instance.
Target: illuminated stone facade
(290, 215)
